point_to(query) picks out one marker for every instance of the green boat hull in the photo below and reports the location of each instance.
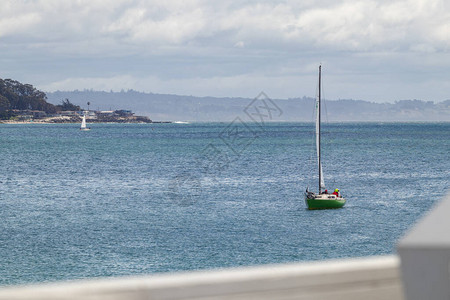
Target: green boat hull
(325, 203)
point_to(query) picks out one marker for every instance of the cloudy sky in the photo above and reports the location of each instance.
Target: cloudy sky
(381, 50)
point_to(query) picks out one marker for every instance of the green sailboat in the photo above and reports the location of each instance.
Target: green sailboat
(322, 200)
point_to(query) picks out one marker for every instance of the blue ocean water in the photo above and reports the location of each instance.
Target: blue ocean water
(129, 199)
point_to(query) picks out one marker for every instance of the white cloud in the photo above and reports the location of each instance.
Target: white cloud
(245, 85)
(10, 25)
(155, 24)
(95, 83)
(239, 44)
(442, 35)
(197, 43)
(349, 25)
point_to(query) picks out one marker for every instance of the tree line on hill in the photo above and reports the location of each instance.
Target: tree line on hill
(166, 107)
(16, 96)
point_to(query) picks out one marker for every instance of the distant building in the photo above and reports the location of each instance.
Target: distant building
(124, 113)
(105, 113)
(38, 114)
(29, 114)
(67, 113)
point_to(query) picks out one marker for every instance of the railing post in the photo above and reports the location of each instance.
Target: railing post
(425, 255)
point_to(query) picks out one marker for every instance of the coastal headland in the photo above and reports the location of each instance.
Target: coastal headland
(74, 120)
(76, 116)
(22, 103)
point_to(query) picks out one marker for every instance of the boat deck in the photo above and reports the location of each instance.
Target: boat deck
(327, 197)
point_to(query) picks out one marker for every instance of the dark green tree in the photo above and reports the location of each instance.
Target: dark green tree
(4, 103)
(67, 105)
(22, 97)
(4, 107)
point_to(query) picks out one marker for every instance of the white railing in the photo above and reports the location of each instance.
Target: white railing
(365, 278)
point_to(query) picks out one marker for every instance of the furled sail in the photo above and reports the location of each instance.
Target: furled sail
(322, 182)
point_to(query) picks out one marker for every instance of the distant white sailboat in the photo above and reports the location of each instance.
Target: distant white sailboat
(83, 124)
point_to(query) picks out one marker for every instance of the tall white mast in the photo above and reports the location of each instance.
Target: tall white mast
(320, 165)
(318, 122)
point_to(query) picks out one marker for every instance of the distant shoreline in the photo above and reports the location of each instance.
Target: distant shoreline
(15, 122)
(226, 121)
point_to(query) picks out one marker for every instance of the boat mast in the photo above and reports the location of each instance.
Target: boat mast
(320, 173)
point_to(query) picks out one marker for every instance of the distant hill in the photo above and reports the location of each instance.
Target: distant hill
(164, 107)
